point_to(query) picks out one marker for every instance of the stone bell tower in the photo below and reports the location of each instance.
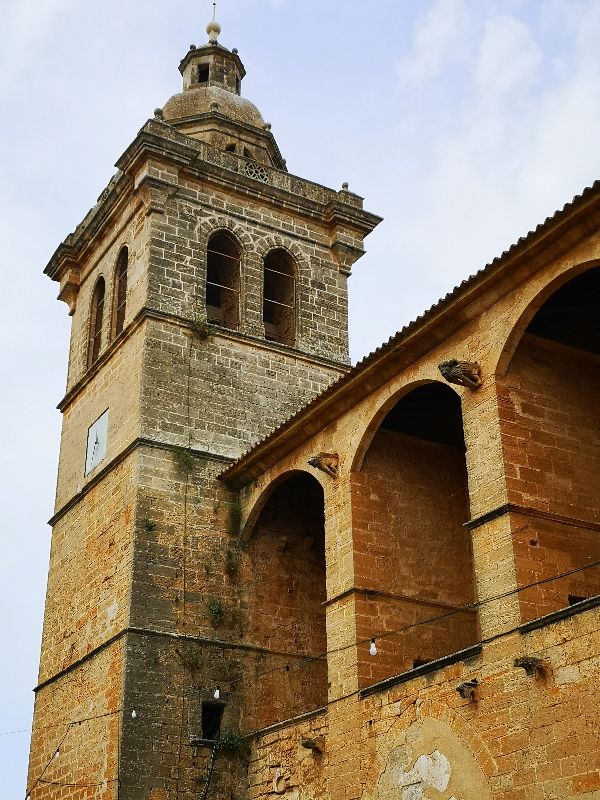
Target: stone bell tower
(208, 291)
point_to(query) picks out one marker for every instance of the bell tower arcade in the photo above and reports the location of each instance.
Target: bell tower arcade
(208, 294)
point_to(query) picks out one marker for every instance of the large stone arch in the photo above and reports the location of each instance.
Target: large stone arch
(409, 500)
(529, 305)
(254, 504)
(363, 437)
(283, 575)
(548, 389)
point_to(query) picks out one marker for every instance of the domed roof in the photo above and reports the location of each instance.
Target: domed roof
(204, 99)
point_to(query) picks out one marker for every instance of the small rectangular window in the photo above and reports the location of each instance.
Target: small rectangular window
(203, 71)
(212, 714)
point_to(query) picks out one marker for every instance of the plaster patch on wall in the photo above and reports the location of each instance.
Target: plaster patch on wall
(431, 762)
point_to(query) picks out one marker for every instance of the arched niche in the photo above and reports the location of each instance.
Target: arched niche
(284, 595)
(550, 428)
(412, 554)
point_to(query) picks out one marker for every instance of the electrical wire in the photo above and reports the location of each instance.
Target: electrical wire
(385, 634)
(309, 659)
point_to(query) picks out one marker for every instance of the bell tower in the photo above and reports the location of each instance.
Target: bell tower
(208, 294)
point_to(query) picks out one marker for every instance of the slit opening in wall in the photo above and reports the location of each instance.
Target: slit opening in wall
(575, 598)
(212, 715)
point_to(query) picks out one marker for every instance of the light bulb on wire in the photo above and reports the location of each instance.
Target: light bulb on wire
(373, 648)
(133, 714)
(217, 693)
(57, 754)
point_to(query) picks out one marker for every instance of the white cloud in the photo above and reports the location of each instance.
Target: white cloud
(436, 38)
(509, 58)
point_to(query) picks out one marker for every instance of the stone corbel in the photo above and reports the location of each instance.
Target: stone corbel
(69, 288)
(463, 373)
(346, 255)
(326, 462)
(155, 194)
(468, 690)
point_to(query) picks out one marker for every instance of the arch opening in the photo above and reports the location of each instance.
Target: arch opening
(550, 429)
(279, 297)
(223, 261)
(412, 554)
(96, 322)
(284, 593)
(120, 291)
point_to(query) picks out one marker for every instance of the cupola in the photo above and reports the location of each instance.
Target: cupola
(211, 107)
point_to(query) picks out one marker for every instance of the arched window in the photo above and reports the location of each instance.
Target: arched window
(97, 316)
(223, 280)
(120, 291)
(230, 148)
(279, 297)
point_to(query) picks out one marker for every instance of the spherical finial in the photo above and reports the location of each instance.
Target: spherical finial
(213, 29)
(345, 186)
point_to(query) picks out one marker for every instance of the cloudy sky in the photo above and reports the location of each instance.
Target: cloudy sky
(463, 122)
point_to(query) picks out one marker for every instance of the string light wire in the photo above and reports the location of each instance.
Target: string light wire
(310, 659)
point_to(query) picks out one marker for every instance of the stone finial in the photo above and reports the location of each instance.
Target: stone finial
(468, 689)
(213, 29)
(345, 186)
(326, 462)
(463, 373)
(158, 113)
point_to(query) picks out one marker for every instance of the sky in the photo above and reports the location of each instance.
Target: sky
(464, 123)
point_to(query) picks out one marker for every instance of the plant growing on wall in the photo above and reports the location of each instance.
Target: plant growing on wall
(184, 459)
(216, 611)
(227, 742)
(149, 525)
(202, 328)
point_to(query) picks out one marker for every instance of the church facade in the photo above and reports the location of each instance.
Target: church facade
(274, 575)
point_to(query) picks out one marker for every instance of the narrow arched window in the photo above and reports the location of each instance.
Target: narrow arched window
(223, 280)
(120, 291)
(279, 297)
(97, 316)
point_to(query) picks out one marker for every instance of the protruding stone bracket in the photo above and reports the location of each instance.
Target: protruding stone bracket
(468, 690)
(532, 665)
(326, 462)
(346, 255)
(69, 288)
(463, 373)
(315, 745)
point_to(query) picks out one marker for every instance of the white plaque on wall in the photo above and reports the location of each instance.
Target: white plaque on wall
(96, 443)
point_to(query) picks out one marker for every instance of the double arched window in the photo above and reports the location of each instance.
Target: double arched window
(120, 291)
(96, 319)
(279, 297)
(223, 260)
